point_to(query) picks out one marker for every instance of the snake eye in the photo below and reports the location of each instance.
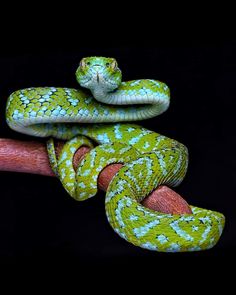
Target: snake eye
(82, 63)
(88, 63)
(107, 64)
(114, 65)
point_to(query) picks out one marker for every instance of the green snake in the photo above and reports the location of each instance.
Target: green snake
(149, 159)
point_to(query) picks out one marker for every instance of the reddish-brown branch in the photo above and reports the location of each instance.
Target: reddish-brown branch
(31, 157)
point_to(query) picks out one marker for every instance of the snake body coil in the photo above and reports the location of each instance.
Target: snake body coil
(149, 159)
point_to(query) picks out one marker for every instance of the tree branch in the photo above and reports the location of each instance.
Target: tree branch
(31, 157)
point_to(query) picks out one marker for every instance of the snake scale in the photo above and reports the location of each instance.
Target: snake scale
(149, 159)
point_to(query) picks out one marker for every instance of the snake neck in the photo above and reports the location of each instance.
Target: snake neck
(128, 93)
(101, 93)
(136, 93)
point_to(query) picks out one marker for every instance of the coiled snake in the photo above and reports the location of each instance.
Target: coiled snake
(150, 159)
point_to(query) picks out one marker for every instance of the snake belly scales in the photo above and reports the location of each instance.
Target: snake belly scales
(149, 159)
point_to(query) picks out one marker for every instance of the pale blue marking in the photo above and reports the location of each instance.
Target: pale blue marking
(142, 92)
(103, 138)
(62, 112)
(93, 154)
(196, 210)
(106, 112)
(81, 185)
(205, 234)
(159, 139)
(124, 202)
(162, 239)
(68, 163)
(187, 218)
(74, 102)
(67, 90)
(75, 139)
(33, 114)
(82, 194)
(146, 145)
(94, 177)
(99, 168)
(94, 186)
(140, 175)
(175, 226)
(157, 83)
(162, 162)
(165, 87)
(130, 129)
(136, 82)
(124, 150)
(121, 234)
(102, 159)
(86, 172)
(133, 217)
(149, 246)
(73, 149)
(143, 230)
(194, 228)
(55, 112)
(95, 112)
(148, 91)
(178, 165)
(120, 187)
(133, 179)
(149, 169)
(130, 92)
(220, 227)
(204, 219)
(86, 112)
(162, 96)
(108, 149)
(63, 174)
(174, 247)
(134, 140)
(63, 157)
(148, 213)
(194, 248)
(20, 116)
(118, 134)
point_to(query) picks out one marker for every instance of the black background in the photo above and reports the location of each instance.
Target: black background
(40, 223)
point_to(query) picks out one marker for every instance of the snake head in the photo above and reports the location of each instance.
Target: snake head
(98, 73)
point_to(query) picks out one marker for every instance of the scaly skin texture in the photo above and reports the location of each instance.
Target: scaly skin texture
(149, 159)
